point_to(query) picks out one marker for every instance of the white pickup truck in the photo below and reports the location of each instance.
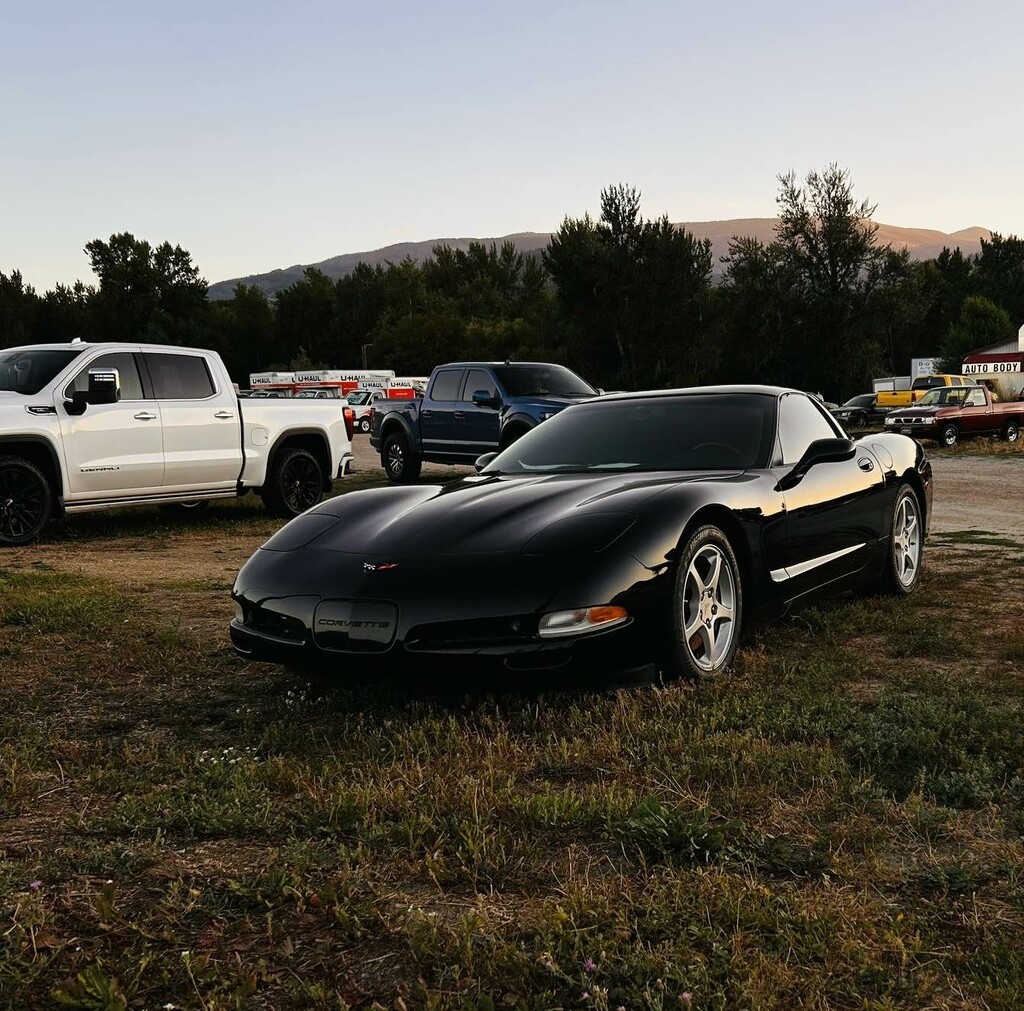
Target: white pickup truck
(91, 426)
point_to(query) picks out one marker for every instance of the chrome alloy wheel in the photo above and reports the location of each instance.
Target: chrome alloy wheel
(396, 457)
(709, 601)
(906, 540)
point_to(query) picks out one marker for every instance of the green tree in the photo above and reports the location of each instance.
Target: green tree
(980, 324)
(19, 307)
(634, 294)
(999, 274)
(147, 294)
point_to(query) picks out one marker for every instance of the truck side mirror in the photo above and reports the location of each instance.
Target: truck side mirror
(104, 388)
(483, 398)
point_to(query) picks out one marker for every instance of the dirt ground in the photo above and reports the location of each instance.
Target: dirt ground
(979, 493)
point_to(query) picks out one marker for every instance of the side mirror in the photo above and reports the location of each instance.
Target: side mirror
(483, 461)
(819, 451)
(482, 398)
(104, 388)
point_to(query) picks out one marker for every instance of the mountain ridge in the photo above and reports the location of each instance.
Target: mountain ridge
(923, 243)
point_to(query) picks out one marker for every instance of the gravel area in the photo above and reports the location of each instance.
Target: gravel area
(971, 492)
(979, 493)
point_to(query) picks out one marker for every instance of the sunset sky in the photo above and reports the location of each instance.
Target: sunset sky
(261, 135)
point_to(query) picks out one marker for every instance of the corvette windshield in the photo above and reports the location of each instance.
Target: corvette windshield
(542, 381)
(29, 371)
(724, 431)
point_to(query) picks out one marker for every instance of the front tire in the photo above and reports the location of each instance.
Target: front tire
(906, 545)
(511, 435)
(949, 435)
(26, 501)
(707, 606)
(295, 483)
(1012, 431)
(400, 463)
(364, 424)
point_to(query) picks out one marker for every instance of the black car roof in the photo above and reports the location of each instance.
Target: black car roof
(769, 391)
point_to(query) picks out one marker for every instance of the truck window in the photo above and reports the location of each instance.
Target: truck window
(28, 371)
(478, 379)
(124, 362)
(928, 382)
(975, 398)
(179, 377)
(446, 385)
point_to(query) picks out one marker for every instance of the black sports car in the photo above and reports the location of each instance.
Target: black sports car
(632, 530)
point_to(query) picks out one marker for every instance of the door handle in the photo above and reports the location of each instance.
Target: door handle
(865, 464)
(426, 414)
(458, 415)
(223, 414)
(145, 416)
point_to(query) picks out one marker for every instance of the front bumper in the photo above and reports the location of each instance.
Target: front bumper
(442, 617)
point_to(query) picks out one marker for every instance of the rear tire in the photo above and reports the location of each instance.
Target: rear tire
(906, 546)
(1012, 431)
(295, 483)
(707, 606)
(26, 501)
(400, 463)
(949, 435)
(364, 424)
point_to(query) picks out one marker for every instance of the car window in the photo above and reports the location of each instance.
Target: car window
(28, 371)
(800, 424)
(731, 431)
(542, 381)
(478, 379)
(976, 398)
(446, 385)
(179, 377)
(124, 362)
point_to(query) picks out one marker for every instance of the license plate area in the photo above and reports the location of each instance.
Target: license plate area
(906, 431)
(355, 626)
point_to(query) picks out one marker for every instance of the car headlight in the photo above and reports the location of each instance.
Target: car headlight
(579, 620)
(927, 421)
(890, 421)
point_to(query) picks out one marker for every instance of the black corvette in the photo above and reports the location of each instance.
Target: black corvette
(628, 531)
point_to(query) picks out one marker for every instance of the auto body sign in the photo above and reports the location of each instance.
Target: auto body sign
(990, 368)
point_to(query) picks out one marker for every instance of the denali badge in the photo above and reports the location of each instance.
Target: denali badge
(379, 567)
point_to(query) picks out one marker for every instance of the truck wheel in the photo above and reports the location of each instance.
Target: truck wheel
(401, 464)
(295, 483)
(26, 501)
(949, 435)
(1012, 432)
(364, 424)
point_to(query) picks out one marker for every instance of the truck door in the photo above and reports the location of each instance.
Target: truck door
(202, 430)
(111, 450)
(438, 424)
(478, 425)
(976, 414)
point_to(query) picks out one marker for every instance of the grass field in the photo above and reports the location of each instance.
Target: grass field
(839, 824)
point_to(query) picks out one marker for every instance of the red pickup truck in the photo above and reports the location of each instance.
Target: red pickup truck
(948, 414)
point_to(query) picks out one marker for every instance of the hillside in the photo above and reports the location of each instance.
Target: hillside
(923, 244)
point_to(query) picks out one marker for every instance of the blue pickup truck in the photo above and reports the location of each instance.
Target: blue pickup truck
(470, 408)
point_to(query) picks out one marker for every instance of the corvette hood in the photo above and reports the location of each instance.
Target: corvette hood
(491, 514)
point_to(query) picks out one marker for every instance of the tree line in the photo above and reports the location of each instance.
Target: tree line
(627, 302)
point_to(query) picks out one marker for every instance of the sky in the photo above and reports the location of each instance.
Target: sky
(259, 135)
